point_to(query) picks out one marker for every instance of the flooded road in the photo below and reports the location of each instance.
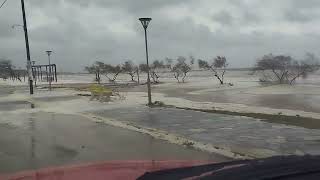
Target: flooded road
(37, 140)
(244, 135)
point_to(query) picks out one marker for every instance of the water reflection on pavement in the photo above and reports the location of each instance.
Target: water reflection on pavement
(242, 134)
(37, 140)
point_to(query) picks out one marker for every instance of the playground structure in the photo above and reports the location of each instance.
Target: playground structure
(44, 73)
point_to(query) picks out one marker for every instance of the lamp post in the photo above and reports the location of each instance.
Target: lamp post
(34, 73)
(145, 22)
(49, 54)
(27, 47)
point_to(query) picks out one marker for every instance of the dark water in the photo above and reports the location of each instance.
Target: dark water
(37, 140)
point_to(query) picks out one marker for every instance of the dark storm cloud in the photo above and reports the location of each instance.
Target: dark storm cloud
(83, 31)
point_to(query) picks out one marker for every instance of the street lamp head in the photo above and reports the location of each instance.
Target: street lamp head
(145, 22)
(49, 52)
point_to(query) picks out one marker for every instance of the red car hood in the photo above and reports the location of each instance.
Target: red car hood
(100, 171)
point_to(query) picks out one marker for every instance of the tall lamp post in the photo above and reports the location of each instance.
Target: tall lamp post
(49, 54)
(145, 22)
(27, 47)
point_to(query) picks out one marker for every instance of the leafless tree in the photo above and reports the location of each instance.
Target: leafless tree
(111, 72)
(96, 69)
(168, 62)
(129, 68)
(154, 70)
(181, 68)
(284, 69)
(218, 67)
(155, 67)
(143, 68)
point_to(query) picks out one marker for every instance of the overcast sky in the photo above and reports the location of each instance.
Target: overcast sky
(83, 31)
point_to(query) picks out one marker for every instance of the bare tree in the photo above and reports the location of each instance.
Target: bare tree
(111, 72)
(143, 68)
(129, 68)
(284, 69)
(169, 63)
(203, 64)
(96, 69)
(181, 68)
(154, 70)
(218, 67)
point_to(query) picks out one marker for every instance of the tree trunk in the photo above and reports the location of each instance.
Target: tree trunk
(177, 77)
(138, 75)
(294, 79)
(115, 76)
(184, 77)
(221, 81)
(99, 78)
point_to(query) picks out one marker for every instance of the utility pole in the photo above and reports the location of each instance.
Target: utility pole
(25, 28)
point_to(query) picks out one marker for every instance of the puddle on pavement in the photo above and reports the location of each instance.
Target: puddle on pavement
(15, 105)
(36, 140)
(55, 98)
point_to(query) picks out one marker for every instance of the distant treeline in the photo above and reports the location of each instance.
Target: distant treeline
(8, 71)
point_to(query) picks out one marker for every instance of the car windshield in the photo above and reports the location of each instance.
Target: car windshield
(156, 84)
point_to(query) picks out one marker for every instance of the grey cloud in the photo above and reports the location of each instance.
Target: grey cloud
(301, 4)
(223, 17)
(298, 16)
(78, 38)
(132, 6)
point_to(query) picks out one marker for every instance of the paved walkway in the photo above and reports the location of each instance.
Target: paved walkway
(242, 134)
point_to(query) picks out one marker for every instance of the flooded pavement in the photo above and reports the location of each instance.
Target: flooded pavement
(33, 135)
(14, 105)
(303, 102)
(5, 90)
(246, 90)
(41, 134)
(37, 140)
(240, 134)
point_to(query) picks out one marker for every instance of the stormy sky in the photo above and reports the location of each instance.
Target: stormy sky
(83, 31)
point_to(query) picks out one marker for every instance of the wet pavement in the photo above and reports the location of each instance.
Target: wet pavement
(37, 140)
(241, 134)
(31, 137)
